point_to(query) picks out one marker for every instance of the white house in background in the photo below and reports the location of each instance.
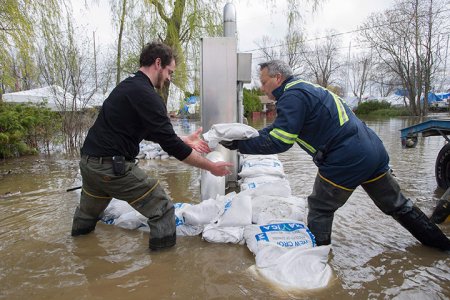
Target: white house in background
(396, 100)
(55, 97)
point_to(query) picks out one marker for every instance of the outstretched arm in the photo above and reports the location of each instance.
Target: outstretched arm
(195, 142)
(219, 168)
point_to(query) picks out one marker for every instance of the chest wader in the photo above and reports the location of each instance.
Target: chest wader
(143, 193)
(324, 200)
(386, 194)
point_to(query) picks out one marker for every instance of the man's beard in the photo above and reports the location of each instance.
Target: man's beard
(159, 80)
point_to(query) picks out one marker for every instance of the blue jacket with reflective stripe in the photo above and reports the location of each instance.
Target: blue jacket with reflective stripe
(346, 151)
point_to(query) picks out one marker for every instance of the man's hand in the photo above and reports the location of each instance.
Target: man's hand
(195, 142)
(232, 145)
(221, 168)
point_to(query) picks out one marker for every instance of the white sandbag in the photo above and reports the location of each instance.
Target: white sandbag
(280, 233)
(268, 189)
(268, 207)
(202, 213)
(114, 210)
(217, 234)
(236, 211)
(295, 268)
(280, 184)
(182, 228)
(211, 185)
(131, 220)
(261, 179)
(228, 132)
(264, 167)
(246, 157)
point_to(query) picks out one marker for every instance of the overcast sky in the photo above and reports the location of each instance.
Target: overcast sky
(256, 19)
(341, 15)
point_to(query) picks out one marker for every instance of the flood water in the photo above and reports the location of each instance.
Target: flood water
(372, 256)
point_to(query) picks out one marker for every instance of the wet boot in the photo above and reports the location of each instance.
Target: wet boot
(386, 194)
(82, 223)
(442, 209)
(324, 200)
(87, 214)
(159, 210)
(418, 224)
(159, 229)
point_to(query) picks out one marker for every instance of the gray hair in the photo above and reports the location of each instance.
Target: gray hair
(275, 67)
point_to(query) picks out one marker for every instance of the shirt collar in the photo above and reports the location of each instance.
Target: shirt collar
(279, 90)
(140, 73)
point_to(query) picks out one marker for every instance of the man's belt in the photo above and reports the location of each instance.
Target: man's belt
(102, 159)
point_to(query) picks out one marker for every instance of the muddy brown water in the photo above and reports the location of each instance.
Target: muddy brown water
(372, 256)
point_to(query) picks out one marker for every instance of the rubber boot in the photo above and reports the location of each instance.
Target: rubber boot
(386, 194)
(82, 223)
(418, 224)
(158, 231)
(442, 209)
(87, 214)
(158, 208)
(324, 200)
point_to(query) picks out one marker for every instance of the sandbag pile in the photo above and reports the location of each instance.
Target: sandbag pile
(149, 150)
(264, 215)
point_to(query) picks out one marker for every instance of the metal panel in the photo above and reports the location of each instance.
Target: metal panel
(218, 91)
(244, 67)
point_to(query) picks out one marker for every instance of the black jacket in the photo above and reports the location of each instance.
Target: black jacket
(131, 113)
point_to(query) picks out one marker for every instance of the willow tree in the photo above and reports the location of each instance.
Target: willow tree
(17, 35)
(66, 64)
(182, 21)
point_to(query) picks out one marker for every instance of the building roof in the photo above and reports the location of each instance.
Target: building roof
(265, 100)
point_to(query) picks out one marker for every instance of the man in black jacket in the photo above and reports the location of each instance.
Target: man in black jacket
(133, 112)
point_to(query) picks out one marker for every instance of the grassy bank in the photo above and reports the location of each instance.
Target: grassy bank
(381, 109)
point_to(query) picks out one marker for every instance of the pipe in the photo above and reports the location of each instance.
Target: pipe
(229, 20)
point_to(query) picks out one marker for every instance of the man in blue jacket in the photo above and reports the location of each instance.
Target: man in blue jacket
(346, 152)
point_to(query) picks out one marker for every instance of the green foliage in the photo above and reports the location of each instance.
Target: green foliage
(381, 109)
(18, 22)
(365, 108)
(251, 102)
(26, 128)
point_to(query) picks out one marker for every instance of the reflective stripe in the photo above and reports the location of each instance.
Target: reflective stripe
(336, 185)
(375, 179)
(285, 137)
(290, 84)
(145, 194)
(307, 146)
(98, 197)
(343, 117)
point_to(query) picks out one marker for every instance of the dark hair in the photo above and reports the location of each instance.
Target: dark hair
(154, 50)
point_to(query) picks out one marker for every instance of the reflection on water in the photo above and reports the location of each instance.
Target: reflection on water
(372, 257)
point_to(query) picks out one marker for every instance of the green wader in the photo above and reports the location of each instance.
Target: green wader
(143, 193)
(385, 192)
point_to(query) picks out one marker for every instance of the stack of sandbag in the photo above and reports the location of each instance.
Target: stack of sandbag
(257, 170)
(150, 150)
(264, 215)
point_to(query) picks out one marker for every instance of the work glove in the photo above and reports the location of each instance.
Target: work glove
(232, 145)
